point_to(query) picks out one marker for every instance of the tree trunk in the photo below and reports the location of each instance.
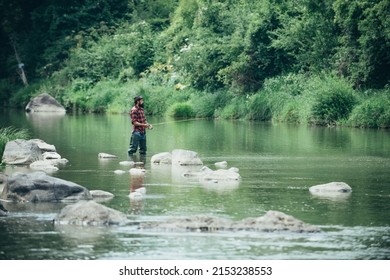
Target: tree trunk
(20, 70)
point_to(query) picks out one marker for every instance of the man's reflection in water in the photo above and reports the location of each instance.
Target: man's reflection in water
(137, 188)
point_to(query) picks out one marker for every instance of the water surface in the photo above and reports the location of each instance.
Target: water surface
(277, 162)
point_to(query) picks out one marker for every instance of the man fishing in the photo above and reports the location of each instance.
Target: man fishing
(138, 135)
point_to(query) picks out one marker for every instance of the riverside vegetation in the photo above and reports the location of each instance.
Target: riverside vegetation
(305, 61)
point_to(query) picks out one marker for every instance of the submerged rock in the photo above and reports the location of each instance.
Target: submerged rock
(90, 213)
(99, 194)
(271, 221)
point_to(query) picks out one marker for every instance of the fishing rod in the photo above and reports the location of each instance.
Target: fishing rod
(177, 121)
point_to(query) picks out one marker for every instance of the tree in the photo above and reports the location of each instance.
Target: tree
(364, 52)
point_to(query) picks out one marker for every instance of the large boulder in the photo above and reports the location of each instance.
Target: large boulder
(271, 221)
(21, 152)
(44, 103)
(90, 213)
(40, 187)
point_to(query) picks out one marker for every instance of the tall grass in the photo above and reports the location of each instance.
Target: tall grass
(319, 100)
(373, 111)
(181, 110)
(10, 133)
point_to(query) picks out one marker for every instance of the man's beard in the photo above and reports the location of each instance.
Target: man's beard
(141, 105)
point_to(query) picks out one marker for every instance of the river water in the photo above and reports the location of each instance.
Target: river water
(277, 162)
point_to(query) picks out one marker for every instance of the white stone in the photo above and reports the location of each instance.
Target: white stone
(137, 171)
(51, 155)
(185, 157)
(221, 164)
(332, 187)
(43, 165)
(105, 155)
(127, 163)
(162, 158)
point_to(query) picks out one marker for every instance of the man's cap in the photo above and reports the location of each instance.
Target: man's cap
(139, 97)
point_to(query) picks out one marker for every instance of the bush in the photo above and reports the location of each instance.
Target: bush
(22, 96)
(235, 109)
(333, 101)
(181, 111)
(373, 112)
(259, 107)
(205, 104)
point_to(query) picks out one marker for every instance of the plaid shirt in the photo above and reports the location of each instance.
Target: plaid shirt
(137, 115)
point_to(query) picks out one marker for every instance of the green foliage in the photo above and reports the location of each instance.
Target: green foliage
(260, 60)
(156, 12)
(5, 89)
(10, 133)
(206, 104)
(124, 55)
(364, 53)
(306, 34)
(303, 99)
(235, 109)
(259, 107)
(22, 96)
(373, 112)
(181, 110)
(333, 101)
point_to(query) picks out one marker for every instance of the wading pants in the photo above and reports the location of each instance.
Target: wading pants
(137, 140)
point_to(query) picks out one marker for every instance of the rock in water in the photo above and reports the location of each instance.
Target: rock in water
(271, 221)
(21, 152)
(44, 103)
(40, 187)
(90, 213)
